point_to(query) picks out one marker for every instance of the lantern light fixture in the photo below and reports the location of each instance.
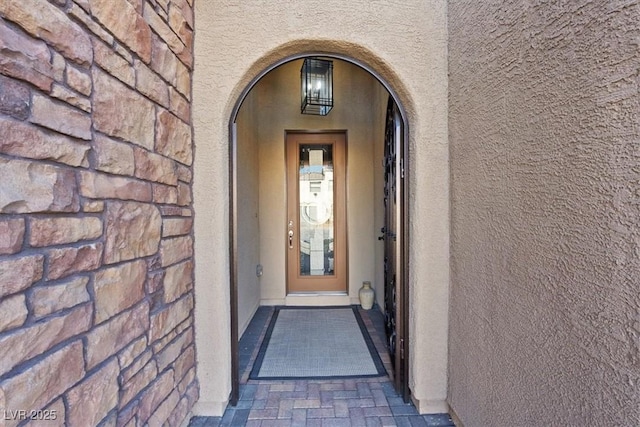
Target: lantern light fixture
(316, 79)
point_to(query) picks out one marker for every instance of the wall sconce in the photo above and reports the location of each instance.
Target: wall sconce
(316, 78)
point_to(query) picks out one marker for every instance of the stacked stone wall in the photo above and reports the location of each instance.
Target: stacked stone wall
(96, 241)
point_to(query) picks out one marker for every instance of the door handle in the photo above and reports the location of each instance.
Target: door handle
(290, 239)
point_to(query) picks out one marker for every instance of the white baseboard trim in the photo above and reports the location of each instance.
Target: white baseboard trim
(243, 328)
(311, 300)
(317, 299)
(430, 406)
(272, 301)
(209, 409)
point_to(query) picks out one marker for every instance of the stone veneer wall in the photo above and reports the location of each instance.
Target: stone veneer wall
(96, 267)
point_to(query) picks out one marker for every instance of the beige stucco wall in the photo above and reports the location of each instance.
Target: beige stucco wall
(544, 113)
(406, 45)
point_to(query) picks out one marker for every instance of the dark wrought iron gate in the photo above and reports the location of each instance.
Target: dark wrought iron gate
(392, 232)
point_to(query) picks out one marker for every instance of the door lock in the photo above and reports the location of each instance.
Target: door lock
(290, 239)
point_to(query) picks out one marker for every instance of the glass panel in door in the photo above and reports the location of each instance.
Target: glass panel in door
(316, 212)
(315, 184)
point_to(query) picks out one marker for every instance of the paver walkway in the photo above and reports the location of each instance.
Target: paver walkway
(323, 403)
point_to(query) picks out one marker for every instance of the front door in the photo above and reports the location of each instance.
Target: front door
(316, 240)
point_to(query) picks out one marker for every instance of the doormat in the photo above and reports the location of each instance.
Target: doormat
(316, 343)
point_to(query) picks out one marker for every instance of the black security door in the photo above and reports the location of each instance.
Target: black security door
(392, 233)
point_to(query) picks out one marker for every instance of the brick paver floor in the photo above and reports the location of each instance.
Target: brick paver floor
(324, 403)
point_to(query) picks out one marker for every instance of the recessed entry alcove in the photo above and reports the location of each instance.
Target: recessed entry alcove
(265, 110)
(279, 194)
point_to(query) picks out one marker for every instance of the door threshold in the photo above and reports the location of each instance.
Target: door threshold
(316, 293)
(317, 298)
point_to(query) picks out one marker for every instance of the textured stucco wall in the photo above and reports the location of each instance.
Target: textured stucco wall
(544, 114)
(406, 45)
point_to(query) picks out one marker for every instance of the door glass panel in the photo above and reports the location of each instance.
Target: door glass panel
(315, 181)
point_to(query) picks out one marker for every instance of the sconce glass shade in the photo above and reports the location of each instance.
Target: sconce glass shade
(316, 78)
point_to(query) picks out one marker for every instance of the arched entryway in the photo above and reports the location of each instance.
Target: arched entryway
(232, 51)
(367, 110)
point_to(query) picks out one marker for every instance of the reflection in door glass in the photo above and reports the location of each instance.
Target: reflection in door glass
(315, 177)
